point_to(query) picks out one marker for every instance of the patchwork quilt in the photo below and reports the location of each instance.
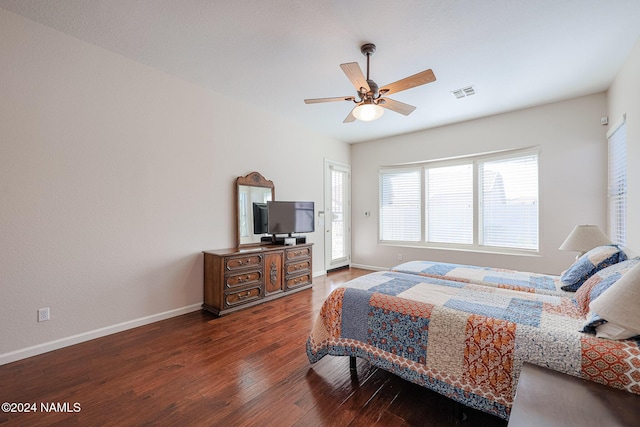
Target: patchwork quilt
(497, 277)
(464, 340)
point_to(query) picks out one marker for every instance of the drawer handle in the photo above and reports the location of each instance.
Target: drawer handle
(247, 295)
(244, 279)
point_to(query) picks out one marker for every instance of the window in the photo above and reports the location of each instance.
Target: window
(449, 206)
(400, 214)
(338, 218)
(509, 202)
(617, 188)
(470, 203)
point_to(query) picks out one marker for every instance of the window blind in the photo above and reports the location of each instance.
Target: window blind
(400, 199)
(449, 204)
(509, 202)
(477, 202)
(617, 188)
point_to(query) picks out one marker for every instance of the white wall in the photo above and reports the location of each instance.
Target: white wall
(113, 178)
(572, 178)
(624, 98)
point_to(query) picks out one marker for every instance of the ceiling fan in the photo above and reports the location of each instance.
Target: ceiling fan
(370, 98)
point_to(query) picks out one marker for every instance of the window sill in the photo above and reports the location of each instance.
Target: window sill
(474, 249)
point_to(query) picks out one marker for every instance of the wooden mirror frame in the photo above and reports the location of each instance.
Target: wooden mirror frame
(253, 179)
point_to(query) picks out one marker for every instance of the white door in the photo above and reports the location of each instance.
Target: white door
(337, 221)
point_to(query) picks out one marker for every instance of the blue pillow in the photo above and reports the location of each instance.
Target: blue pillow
(589, 264)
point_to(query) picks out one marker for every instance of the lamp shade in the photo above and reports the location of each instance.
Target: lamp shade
(584, 238)
(620, 303)
(368, 111)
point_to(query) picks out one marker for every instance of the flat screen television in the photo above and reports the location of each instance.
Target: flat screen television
(260, 218)
(290, 217)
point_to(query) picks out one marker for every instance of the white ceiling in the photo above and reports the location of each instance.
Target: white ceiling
(274, 54)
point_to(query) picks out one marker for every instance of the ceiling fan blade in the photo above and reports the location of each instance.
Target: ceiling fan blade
(350, 118)
(397, 106)
(421, 78)
(337, 98)
(354, 73)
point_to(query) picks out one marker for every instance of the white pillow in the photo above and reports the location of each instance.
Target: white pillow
(614, 332)
(620, 304)
(629, 252)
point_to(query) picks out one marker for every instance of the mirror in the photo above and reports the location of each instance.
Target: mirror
(250, 189)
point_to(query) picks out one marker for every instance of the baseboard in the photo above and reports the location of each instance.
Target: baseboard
(369, 267)
(96, 333)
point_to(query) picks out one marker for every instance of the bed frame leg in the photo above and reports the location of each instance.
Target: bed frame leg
(458, 411)
(352, 364)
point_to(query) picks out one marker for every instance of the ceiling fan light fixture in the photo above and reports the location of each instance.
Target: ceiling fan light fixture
(368, 111)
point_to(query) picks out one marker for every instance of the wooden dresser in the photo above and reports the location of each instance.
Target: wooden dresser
(240, 278)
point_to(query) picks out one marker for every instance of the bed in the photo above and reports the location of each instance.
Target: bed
(496, 277)
(467, 340)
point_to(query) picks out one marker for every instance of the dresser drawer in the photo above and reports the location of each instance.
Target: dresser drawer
(244, 296)
(298, 267)
(243, 279)
(297, 281)
(294, 254)
(242, 262)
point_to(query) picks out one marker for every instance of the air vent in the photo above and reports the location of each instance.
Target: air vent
(463, 92)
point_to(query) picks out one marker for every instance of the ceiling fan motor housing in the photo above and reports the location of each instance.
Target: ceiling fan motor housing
(373, 92)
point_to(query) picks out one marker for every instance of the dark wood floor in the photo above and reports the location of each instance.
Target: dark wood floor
(248, 368)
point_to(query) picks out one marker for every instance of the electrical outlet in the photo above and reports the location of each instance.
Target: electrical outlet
(43, 314)
(399, 257)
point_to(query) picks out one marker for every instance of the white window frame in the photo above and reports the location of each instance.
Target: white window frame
(475, 160)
